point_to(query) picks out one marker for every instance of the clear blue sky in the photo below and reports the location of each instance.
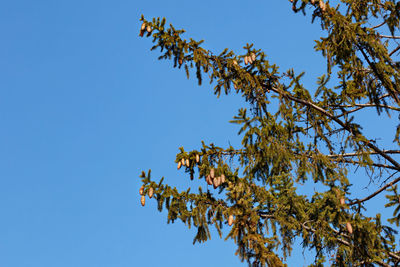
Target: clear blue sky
(85, 106)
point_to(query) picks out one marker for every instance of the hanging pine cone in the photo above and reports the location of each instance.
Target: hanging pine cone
(222, 178)
(187, 162)
(322, 5)
(142, 29)
(179, 165)
(212, 173)
(249, 59)
(151, 192)
(253, 57)
(141, 190)
(197, 158)
(216, 182)
(183, 162)
(342, 202)
(349, 228)
(230, 220)
(143, 200)
(209, 180)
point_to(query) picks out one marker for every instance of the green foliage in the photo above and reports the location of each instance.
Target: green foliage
(309, 135)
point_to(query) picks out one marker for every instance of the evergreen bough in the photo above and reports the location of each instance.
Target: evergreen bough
(305, 134)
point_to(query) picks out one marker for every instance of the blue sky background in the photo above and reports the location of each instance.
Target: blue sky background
(85, 107)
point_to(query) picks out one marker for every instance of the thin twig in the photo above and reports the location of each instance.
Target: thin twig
(389, 36)
(366, 152)
(394, 51)
(369, 105)
(358, 108)
(358, 201)
(379, 25)
(379, 165)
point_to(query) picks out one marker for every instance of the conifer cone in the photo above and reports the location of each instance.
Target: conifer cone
(253, 57)
(197, 158)
(249, 59)
(212, 173)
(219, 180)
(349, 228)
(222, 178)
(142, 29)
(235, 63)
(246, 60)
(183, 162)
(342, 202)
(141, 190)
(322, 5)
(187, 163)
(148, 29)
(151, 192)
(209, 180)
(143, 200)
(179, 165)
(216, 182)
(230, 220)
(180, 61)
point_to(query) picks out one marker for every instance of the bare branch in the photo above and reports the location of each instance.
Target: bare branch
(367, 152)
(369, 105)
(358, 201)
(378, 165)
(379, 25)
(358, 108)
(394, 51)
(389, 36)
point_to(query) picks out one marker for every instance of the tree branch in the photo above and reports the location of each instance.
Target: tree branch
(379, 165)
(341, 123)
(379, 25)
(369, 105)
(340, 240)
(368, 153)
(394, 51)
(388, 36)
(358, 201)
(379, 75)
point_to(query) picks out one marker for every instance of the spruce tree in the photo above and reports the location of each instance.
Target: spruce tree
(292, 135)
